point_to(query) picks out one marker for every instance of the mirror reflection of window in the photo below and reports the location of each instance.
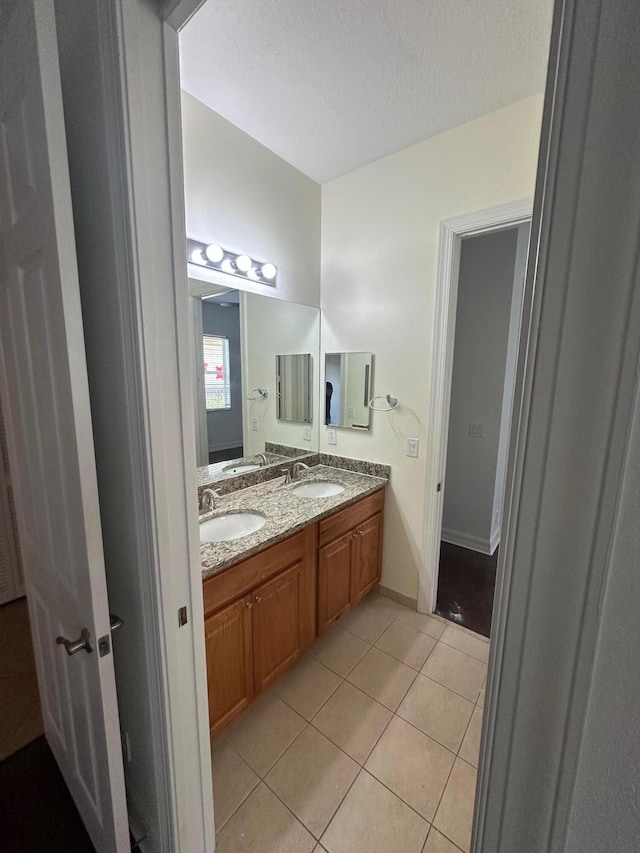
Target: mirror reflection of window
(258, 328)
(217, 377)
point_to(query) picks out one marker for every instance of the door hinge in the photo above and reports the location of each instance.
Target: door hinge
(182, 616)
(438, 487)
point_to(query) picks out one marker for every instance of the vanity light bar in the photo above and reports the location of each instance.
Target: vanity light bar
(214, 257)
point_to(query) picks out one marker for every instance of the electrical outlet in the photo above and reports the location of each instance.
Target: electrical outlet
(476, 430)
(351, 412)
(254, 424)
(332, 436)
(413, 445)
(306, 434)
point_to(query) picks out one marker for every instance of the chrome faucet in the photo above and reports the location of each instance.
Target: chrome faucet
(287, 475)
(297, 468)
(262, 459)
(208, 499)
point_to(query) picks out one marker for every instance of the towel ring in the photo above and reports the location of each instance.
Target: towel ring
(392, 401)
(260, 392)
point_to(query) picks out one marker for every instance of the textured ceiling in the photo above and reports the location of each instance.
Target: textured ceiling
(331, 85)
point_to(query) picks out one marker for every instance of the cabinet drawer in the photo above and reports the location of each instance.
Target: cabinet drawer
(243, 577)
(345, 520)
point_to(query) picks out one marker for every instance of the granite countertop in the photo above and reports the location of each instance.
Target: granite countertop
(285, 512)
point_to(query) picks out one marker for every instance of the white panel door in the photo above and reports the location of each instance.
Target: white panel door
(44, 389)
(11, 574)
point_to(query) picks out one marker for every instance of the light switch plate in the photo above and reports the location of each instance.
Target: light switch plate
(413, 445)
(306, 434)
(476, 430)
(254, 424)
(332, 436)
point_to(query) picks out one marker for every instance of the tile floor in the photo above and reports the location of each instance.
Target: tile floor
(368, 745)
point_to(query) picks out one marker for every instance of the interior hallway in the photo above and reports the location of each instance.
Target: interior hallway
(368, 745)
(466, 587)
(36, 809)
(20, 714)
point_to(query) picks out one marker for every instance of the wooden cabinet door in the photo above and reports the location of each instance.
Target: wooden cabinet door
(228, 638)
(366, 556)
(334, 580)
(277, 614)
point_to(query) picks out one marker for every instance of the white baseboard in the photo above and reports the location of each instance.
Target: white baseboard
(473, 543)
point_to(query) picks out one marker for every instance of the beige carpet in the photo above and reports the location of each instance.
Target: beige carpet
(20, 714)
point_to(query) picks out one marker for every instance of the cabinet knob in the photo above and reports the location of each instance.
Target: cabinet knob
(258, 599)
(249, 604)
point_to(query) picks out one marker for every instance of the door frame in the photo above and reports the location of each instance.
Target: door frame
(525, 793)
(486, 221)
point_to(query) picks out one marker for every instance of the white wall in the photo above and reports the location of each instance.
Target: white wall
(379, 245)
(485, 295)
(271, 327)
(246, 198)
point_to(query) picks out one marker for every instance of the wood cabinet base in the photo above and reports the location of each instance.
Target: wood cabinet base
(262, 614)
(260, 617)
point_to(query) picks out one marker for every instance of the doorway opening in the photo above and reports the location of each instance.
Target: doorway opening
(482, 258)
(485, 346)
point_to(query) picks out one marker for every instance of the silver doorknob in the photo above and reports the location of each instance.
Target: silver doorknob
(115, 622)
(73, 646)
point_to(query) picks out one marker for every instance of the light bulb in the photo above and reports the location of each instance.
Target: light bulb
(214, 253)
(243, 262)
(227, 266)
(268, 271)
(197, 257)
(253, 274)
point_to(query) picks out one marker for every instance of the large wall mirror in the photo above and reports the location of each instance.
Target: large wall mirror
(236, 338)
(348, 389)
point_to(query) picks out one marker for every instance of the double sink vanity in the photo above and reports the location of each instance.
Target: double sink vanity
(292, 538)
(281, 562)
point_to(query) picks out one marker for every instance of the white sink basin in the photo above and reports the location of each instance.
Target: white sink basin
(241, 469)
(231, 525)
(318, 489)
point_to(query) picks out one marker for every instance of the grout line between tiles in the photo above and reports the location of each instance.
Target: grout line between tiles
(362, 767)
(219, 828)
(446, 686)
(444, 643)
(344, 677)
(440, 832)
(397, 796)
(319, 709)
(442, 795)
